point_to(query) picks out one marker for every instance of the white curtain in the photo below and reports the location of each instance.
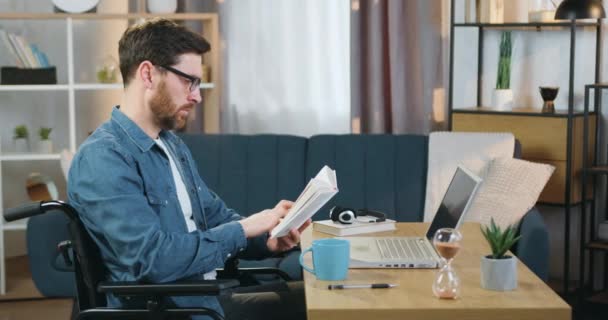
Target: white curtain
(286, 66)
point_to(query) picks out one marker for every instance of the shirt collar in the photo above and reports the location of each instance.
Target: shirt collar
(137, 135)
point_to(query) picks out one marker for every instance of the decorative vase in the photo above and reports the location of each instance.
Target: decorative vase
(502, 99)
(45, 146)
(162, 6)
(548, 94)
(107, 71)
(541, 11)
(499, 274)
(21, 145)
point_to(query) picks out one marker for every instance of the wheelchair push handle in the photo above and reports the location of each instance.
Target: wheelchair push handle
(35, 208)
(23, 211)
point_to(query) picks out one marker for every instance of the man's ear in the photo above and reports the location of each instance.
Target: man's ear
(145, 73)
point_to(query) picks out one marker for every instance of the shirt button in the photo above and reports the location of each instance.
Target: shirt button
(199, 188)
(166, 202)
(228, 255)
(242, 249)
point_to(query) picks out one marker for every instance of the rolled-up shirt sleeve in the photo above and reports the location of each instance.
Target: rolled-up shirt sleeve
(107, 190)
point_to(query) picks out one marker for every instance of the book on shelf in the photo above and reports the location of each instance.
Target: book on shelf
(24, 54)
(317, 192)
(357, 227)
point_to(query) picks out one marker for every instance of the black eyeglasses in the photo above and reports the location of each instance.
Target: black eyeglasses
(194, 81)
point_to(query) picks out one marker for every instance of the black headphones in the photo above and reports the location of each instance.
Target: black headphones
(347, 215)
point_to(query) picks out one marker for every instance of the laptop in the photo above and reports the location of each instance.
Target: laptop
(417, 252)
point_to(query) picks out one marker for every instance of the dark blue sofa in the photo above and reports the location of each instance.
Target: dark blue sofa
(252, 173)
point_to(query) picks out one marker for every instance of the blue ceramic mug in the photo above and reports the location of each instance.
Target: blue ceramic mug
(330, 258)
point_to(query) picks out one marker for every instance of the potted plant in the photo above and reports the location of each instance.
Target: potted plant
(20, 137)
(502, 98)
(45, 145)
(499, 270)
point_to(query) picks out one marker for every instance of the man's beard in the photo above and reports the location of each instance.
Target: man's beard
(165, 112)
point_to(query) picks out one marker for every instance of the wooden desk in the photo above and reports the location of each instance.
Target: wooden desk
(414, 299)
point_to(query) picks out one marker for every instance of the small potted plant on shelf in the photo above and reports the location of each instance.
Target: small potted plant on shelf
(20, 137)
(502, 98)
(45, 145)
(499, 270)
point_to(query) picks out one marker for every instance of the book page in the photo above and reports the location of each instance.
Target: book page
(317, 192)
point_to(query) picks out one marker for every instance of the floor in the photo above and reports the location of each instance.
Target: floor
(24, 302)
(48, 309)
(19, 282)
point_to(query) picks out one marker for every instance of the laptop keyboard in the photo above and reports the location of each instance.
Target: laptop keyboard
(404, 248)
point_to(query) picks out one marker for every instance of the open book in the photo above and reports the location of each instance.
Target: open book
(317, 192)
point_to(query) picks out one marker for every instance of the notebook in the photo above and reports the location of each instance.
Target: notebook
(417, 252)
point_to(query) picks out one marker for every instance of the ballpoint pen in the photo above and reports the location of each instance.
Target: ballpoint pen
(361, 286)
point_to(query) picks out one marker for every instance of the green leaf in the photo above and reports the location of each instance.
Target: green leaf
(503, 75)
(500, 240)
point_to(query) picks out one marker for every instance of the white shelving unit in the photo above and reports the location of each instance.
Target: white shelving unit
(210, 28)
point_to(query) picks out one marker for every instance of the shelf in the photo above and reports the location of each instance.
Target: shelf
(106, 16)
(598, 245)
(97, 86)
(601, 297)
(78, 86)
(598, 85)
(28, 156)
(520, 112)
(603, 169)
(15, 225)
(525, 25)
(115, 86)
(34, 87)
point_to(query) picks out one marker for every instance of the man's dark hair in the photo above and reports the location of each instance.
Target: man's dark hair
(159, 41)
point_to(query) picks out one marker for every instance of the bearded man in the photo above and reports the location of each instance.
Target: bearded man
(139, 194)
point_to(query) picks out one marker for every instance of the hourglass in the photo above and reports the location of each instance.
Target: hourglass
(447, 283)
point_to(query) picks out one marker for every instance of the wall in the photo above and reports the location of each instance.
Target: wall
(539, 59)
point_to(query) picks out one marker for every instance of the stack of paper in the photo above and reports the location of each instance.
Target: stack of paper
(318, 191)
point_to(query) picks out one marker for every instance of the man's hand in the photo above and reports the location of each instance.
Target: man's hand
(262, 222)
(288, 241)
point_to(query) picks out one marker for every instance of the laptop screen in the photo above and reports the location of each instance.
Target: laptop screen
(454, 202)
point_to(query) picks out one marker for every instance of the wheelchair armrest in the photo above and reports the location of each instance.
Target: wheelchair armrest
(182, 288)
(231, 270)
(253, 271)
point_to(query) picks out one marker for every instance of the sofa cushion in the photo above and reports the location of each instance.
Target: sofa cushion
(380, 172)
(510, 189)
(250, 173)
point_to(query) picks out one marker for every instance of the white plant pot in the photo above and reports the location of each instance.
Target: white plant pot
(21, 145)
(162, 6)
(502, 99)
(499, 274)
(45, 146)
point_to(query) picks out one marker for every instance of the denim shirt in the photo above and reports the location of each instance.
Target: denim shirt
(121, 184)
